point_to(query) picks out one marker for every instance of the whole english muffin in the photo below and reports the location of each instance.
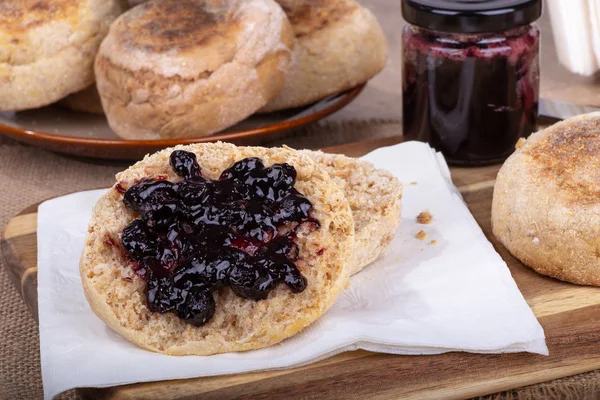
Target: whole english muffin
(375, 197)
(546, 206)
(339, 45)
(189, 68)
(47, 48)
(117, 294)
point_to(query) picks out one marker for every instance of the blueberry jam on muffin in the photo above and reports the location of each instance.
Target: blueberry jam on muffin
(198, 235)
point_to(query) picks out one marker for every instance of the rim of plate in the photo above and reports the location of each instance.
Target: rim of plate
(343, 99)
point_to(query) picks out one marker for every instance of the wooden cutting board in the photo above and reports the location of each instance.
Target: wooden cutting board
(569, 314)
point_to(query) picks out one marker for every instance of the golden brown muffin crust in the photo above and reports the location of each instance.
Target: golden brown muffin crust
(47, 48)
(17, 16)
(546, 204)
(309, 16)
(165, 26)
(568, 154)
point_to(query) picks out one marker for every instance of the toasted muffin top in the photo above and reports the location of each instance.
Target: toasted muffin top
(193, 38)
(19, 16)
(21, 19)
(168, 26)
(567, 153)
(309, 16)
(33, 30)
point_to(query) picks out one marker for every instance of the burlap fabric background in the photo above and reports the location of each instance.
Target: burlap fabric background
(29, 175)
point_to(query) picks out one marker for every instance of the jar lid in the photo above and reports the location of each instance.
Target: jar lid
(471, 16)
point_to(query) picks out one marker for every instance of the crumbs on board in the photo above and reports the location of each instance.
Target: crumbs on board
(424, 217)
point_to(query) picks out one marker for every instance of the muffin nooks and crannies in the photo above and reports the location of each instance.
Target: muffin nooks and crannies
(546, 206)
(375, 197)
(189, 68)
(47, 48)
(339, 46)
(246, 245)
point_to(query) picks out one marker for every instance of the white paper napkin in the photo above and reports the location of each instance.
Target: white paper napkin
(419, 299)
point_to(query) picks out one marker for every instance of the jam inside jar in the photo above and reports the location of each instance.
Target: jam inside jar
(470, 95)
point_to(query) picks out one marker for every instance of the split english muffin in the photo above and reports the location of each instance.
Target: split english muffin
(189, 68)
(47, 48)
(121, 297)
(546, 208)
(375, 197)
(339, 46)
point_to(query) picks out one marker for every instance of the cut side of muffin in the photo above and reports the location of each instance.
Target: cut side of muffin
(375, 197)
(118, 295)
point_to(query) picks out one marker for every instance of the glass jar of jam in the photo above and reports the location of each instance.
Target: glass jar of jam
(471, 76)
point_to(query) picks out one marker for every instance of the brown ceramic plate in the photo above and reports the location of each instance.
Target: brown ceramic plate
(87, 135)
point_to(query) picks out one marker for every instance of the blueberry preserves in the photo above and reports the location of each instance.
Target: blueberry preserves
(471, 76)
(197, 235)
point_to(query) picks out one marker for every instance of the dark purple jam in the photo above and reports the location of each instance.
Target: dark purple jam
(198, 235)
(471, 96)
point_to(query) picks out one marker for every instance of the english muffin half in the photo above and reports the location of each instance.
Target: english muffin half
(339, 46)
(375, 197)
(129, 294)
(546, 206)
(47, 48)
(189, 68)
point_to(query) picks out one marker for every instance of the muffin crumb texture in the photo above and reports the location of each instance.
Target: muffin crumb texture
(375, 197)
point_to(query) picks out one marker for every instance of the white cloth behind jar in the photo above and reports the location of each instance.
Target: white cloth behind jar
(576, 30)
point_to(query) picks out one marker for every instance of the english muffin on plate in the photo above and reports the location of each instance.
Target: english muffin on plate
(375, 197)
(339, 46)
(47, 48)
(546, 206)
(213, 248)
(190, 68)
